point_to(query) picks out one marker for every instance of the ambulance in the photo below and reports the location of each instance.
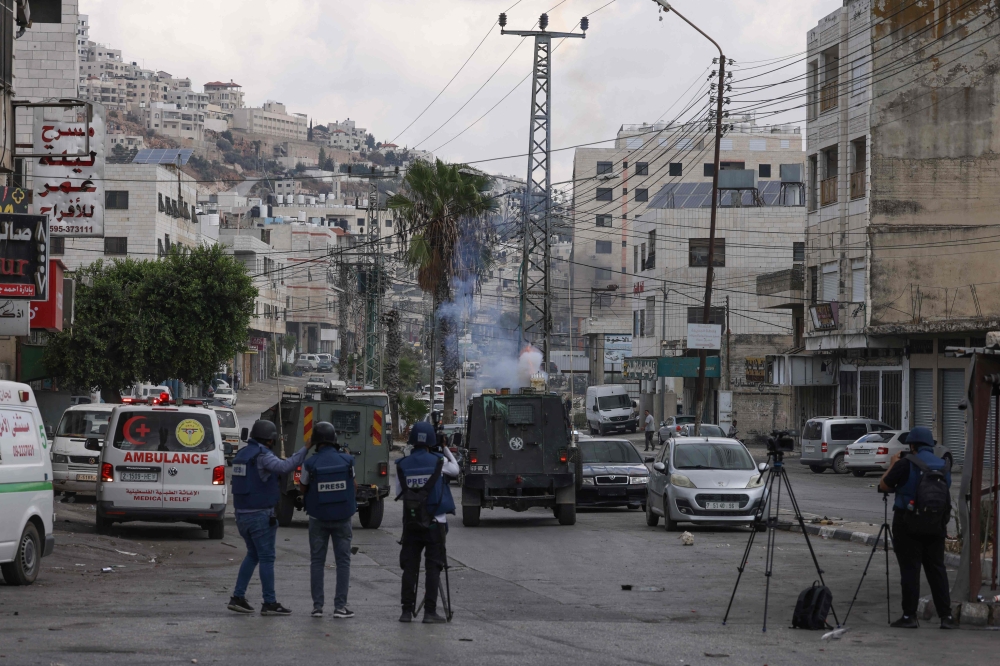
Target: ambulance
(27, 512)
(162, 463)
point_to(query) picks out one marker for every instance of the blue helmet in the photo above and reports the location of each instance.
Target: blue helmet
(920, 436)
(422, 434)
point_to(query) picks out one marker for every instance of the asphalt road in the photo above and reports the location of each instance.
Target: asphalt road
(524, 589)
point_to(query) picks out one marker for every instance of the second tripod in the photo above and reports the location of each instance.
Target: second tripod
(776, 479)
(885, 536)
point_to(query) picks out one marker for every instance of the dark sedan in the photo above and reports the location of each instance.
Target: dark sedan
(613, 474)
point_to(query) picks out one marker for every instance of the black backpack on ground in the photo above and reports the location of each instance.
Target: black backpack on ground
(932, 505)
(812, 607)
(415, 513)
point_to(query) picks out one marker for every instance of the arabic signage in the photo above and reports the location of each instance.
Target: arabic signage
(15, 317)
(686, 366)
(616, 349)
(69, 187)
(24, 256)
(48, 314)
(13, 200)
(260, 344)
(704, 336)
(756, 369)
(639, 368)
(824, 316)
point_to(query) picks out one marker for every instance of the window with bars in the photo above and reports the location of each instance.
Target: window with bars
(116, 245)
(642, 168)
(798, 252)
(57, 245)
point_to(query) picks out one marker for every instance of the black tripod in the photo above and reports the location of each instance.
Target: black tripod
(887, 532)
(445, 593)
(777, 476)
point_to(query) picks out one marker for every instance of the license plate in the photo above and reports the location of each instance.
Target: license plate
(139, 476)
(861, 452)
(479, 469)
(722, 506)
(810, 449)
(612, 491)
(86, 477)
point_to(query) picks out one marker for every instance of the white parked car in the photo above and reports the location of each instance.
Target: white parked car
(226, 396)
(76, 448)
(26, 498)
(872, 452)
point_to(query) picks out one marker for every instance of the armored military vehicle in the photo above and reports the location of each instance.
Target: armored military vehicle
(359, 420)
(520, 454)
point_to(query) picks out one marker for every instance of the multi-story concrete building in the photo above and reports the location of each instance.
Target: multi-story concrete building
(227, 96)
(179, 121)
(902, 187)
(272, 120)
(346, 135)
(111, 93)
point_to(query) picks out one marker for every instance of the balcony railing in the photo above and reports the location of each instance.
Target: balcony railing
(828, 97)
(828, 191)
(857, 184)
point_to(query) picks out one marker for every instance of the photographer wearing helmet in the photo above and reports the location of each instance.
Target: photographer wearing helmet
(921, 482)
(426, 502)
(327, 480)
(256, 491)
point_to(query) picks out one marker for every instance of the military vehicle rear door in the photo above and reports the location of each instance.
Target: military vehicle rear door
(353, 427)
(515, 430)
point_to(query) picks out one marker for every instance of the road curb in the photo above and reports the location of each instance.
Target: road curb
(864, 538)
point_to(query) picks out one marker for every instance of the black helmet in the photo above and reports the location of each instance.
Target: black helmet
(264, 432)
(324, 433)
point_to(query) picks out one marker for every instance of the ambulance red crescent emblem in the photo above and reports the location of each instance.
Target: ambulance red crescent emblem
(131, 429)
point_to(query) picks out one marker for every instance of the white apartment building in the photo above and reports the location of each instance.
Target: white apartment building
(82, 36)
(272, 120)
(227, 96)
(181, 122)
(346, 135)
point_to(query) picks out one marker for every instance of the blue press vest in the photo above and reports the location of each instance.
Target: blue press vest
(908, 491)
(330, 494)
(250, 492)
(418, 468)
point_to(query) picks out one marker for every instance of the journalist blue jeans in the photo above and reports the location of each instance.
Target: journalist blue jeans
(320, 534)
(259, 535)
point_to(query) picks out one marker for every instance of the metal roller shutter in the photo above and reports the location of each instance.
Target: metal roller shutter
(831, 282)
(990, 438)
(952, 418)
(923, 399)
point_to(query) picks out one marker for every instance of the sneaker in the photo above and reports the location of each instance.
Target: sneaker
(239, 605)
(431, 617)
(407, 615)
(317, 612)
(906, 622)
(342, 613)
(274, 609)
(949, 623)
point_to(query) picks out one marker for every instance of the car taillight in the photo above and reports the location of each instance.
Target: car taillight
(383, 469)
(882, 450)
(219, 476)
(298, 474)
(107, 473)
(563, 455)
(473, 456)
(518, 479)
(822, 447)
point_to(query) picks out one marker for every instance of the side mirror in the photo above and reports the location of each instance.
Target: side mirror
(660, 467)
(648, 459)
(93, 444)
(762, 467)
(245, 434)
(49, 431)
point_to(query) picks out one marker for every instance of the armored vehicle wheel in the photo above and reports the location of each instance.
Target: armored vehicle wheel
(371, 515)
(285, 510)
(567, 514)
(470, 515)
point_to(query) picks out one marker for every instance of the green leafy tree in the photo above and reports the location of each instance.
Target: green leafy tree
(322, 158)
(411, 409)
(179, 317)
(443, 210)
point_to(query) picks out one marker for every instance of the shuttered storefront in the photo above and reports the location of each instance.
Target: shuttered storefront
(923, 398)
(952, 418)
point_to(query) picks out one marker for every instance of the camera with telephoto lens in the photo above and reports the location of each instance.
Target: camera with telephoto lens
(780, 441)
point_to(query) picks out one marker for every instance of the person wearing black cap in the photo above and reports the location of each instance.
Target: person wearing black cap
(256, 491)
(327, 480)
(916, 479)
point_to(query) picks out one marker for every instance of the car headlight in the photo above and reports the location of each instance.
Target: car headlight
(681, 481)
(588, 480)
(638, 480)
(59, 458)
(756, 481)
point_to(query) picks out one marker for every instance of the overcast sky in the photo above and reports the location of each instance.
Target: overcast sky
(380, 62)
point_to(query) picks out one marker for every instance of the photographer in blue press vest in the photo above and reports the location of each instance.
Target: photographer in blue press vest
(256, 491)
(920, 514)
(327, 480)
(426, 502)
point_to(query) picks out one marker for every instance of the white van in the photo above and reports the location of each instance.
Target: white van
(26, 498)
(76, 448)
(163, 464)
(609, 409)
(149, 393)
(229, 427)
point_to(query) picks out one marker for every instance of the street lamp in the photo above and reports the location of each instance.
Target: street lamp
(699, 389)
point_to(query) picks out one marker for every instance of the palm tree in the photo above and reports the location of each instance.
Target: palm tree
(443, 212)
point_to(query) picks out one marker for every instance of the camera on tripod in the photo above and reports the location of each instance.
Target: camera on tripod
(780, 441)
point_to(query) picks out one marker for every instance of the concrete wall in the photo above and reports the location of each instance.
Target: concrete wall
(935, 163)
(758, 407)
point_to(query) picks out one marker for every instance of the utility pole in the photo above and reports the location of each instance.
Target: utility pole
(699, 389)
(536, 256)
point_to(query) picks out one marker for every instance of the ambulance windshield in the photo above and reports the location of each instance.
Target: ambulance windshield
(151, 430)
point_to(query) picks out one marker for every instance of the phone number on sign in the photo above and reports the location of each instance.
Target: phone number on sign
(57, 229)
